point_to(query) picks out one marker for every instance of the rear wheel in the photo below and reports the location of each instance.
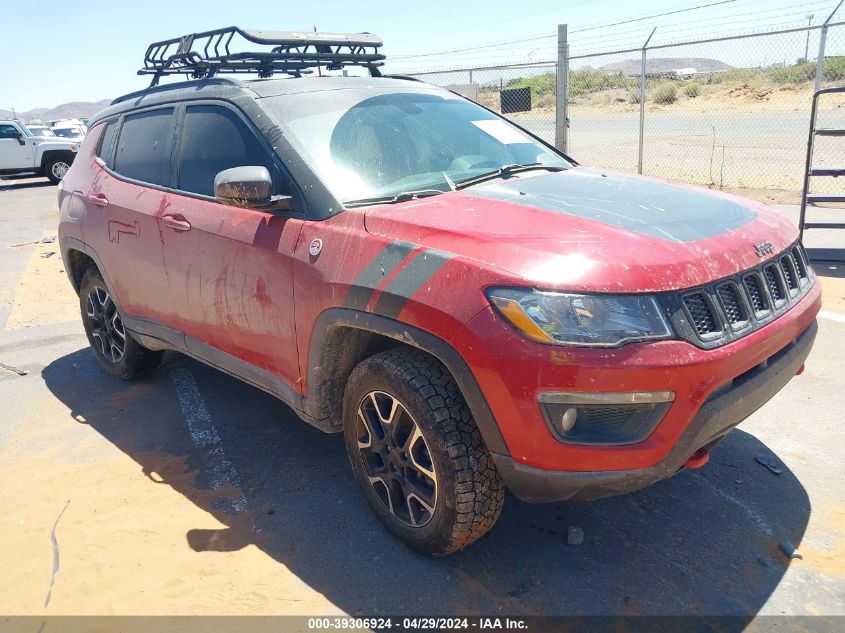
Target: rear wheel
(417, 453)
(56, 168)
(115, 349)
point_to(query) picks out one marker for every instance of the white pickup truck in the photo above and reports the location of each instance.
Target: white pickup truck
(21, 152)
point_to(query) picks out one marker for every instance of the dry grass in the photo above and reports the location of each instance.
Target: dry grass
(665, 93)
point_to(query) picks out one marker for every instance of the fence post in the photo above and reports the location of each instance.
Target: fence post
(822, 40)
(820, 60)
(562, 90)
(642, 104)
(470, 76)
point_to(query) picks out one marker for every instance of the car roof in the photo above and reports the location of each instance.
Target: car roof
(224, 87)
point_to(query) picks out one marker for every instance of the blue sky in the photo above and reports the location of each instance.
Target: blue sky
(90, 50)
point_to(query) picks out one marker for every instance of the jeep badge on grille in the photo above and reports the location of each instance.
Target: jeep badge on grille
(765, 248)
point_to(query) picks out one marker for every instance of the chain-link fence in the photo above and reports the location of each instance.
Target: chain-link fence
(727, 113)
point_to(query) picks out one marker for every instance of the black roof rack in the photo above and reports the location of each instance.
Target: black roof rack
(205, 54)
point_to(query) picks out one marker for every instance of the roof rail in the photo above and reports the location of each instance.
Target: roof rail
(201, 55)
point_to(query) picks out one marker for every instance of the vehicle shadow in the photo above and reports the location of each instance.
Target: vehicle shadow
(703, 542)
(827, 262)
(10, 183)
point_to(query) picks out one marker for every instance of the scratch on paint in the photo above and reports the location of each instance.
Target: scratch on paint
(55, 543)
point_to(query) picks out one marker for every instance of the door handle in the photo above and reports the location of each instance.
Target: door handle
(99, 199)
(177, 222)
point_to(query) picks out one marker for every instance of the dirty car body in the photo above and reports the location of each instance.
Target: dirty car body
(603, 330)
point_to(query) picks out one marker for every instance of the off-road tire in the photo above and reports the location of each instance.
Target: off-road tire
(469, 489)
(50, 167)
(135, 360)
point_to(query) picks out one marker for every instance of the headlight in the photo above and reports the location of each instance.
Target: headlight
(562, 318)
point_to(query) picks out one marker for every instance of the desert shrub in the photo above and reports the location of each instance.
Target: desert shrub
(665, 93)
(834, 68)
(585, 81)
(634, 96)
(733, 75)
(692, 89)
(540, 85)
(795, 74)
(544, 101)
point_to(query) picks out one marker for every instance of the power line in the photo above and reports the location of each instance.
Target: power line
(535, 38)
(630, 38)
(508, 20)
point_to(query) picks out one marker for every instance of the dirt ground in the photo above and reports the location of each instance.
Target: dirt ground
(717, 98)
(191, 493)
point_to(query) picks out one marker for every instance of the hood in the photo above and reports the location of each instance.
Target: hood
(584, 229)
(49, 142)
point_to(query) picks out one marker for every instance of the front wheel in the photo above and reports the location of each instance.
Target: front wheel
(56, 168)
(417, 452)
(115, 349)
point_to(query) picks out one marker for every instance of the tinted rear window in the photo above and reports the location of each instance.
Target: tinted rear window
(145, 145)
(213, 139)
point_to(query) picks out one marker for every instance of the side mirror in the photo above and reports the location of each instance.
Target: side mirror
(19, 136)
(249, 187)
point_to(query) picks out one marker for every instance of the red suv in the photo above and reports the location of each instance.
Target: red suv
(471, 308)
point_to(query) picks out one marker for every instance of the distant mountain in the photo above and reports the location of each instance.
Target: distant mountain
(665, 65)
(72, 110)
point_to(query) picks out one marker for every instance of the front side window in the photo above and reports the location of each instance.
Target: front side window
(145, 146)
(366, 146)
(214, 138)
(9, 131)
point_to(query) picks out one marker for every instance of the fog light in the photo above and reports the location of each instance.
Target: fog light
(567, 420)
(604, 418)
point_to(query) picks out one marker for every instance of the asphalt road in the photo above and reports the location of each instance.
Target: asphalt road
(190, 492)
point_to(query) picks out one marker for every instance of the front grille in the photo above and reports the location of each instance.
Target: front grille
(732, 304)
(790, 275)
(756, 293)
(773, 279)
(701, 316)
(720, 312)
(798, 261)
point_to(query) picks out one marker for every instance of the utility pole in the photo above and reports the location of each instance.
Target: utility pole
(810, 17)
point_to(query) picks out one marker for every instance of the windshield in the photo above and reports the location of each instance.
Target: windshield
(364, 146)
(66, 132)
(40, 130)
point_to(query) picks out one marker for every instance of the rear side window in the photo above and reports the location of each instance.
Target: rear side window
(105, 149)
(213, 139)
(145, 145)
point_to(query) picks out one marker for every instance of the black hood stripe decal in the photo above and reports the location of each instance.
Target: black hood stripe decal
(660, 210)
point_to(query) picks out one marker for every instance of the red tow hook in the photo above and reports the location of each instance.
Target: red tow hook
(800, 370)
(698, 459)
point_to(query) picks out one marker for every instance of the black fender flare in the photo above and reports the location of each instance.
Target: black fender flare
(376, 324)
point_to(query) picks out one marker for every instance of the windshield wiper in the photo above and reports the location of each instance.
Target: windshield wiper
(403, 196)
(504, 170)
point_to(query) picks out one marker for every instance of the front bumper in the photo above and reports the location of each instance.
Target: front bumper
(720, 412)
